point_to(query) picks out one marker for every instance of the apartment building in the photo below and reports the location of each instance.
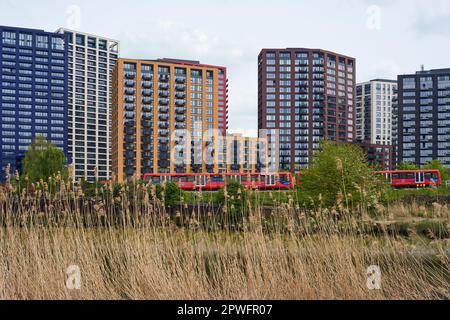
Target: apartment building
(423, 117)
(166, 116)
(33, 92)
(91, 62)
(238, 153)
(304, 96)
(374, 111)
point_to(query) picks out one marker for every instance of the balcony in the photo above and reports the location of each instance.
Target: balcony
(147, 109)
(180, 103)
(147, 76)
(147, 116)
(130, 83)
(180, 118)
(147, 84)
(147, 100)
(130, 99)
(147, 132)
(180, 80)
(163, 109)
(163, 163)
(180, 126)
(163, 125)
(129, 115)
(163, 140)
(164, 102)
(130, 75)
(129, 131)
(180, 87)
(130, 91)
(180, 110)
(130, 155)
(164, 94)
(179, 95)
(129, 123)
(147, 123)
(164, 148)
(147, 93)
(146, 142)
(164, 117)
(130, 107)
(163, 133)
(164, 78)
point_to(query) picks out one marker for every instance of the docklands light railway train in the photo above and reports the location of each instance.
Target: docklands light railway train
(216, 181)
(284, 181)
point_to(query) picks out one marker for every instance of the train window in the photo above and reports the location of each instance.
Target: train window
(284, 179)
(234, 177)
(396, 176)
(187, 179)
(435, 176)
(155, 180)
(428, 175)
(217, 179)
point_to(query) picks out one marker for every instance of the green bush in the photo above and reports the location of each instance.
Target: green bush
(339, 176)
(172, 194)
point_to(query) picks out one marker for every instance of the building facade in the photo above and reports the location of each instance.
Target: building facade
(374, 111)
(90, 65)
(304, 96)
(379, 156)
(238, 153)
(166, 117)
(33, 92)
(423, 117)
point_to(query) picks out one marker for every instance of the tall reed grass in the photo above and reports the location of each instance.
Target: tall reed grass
(129, 245)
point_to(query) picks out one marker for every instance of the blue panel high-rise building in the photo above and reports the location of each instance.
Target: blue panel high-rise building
(33, 92)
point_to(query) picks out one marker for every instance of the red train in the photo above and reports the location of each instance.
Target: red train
(413, 178)
(216, 181)
(284, 181)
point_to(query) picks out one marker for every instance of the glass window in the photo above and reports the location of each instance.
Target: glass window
(9, 37)
(42, 42)
(25, 39)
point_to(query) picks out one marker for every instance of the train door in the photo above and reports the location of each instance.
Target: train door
(389, 177)
(200, 181)
(420, 177)
(164, 179)
(270, 180)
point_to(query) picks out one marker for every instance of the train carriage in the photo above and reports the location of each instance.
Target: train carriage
(216, 181)
(412, 178)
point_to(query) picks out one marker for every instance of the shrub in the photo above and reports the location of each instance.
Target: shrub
(339, 175)
(172, 194)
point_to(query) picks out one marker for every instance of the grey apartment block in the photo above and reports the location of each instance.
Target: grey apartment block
(423, 117)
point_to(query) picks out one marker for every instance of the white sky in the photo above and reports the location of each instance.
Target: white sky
(387, 37)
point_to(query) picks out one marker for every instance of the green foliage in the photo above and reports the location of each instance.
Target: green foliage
(339, 175)
(43, 161)
(437, 165)
(407, 166)
(173, 194)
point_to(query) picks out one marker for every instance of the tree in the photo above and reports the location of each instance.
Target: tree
(407, 166)
(43, 160)
(437, 165)
(339, 175)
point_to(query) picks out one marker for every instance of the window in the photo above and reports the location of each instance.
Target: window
(9, 37)
(42, 42)
(92, 43)
(80, 40)
(57, 43)
(25, 39)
